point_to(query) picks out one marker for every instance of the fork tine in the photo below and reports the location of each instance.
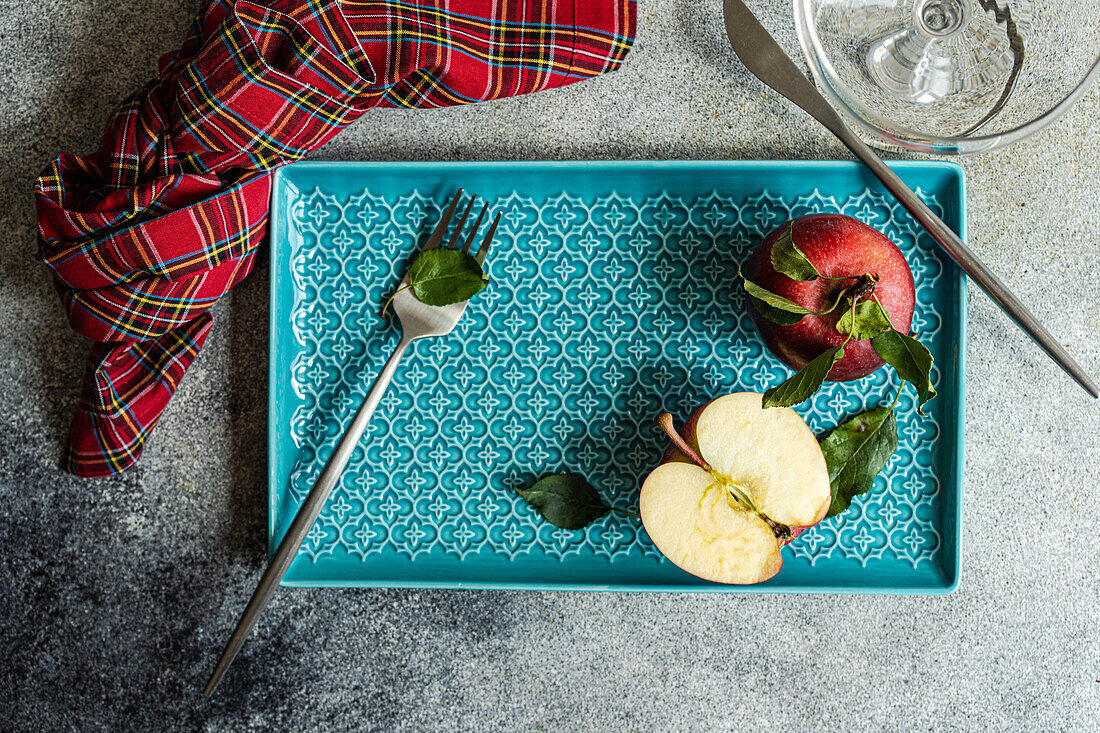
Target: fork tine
(437, 234)
(483, 250)
(460, 224)
(477, 225)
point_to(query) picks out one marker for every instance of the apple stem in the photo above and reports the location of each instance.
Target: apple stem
(664, 420)
(863, 287)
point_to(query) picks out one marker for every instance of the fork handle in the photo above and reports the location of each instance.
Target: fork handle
(307, 515)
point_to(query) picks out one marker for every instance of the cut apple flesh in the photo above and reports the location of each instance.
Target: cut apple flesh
(761, 464)
(770, 453)
(690, 518)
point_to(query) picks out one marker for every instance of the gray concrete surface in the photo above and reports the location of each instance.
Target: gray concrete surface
(116, 595)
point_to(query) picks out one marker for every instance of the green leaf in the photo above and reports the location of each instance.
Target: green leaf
(565, 500)
(788, 258)
(775, 315)
(910, 358)
(775, 301)
(869, 320)
(856, 451)
(446, 276)
(804, 383)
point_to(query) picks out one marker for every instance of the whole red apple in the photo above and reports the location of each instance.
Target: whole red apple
(839, 247)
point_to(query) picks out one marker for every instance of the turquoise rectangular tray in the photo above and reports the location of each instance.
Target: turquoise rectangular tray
(613, 298)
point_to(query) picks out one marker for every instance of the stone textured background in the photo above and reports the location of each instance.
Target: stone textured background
(116, 595)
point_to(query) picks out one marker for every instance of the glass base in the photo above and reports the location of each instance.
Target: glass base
(950, 47)
(956, 61)
(950, 76)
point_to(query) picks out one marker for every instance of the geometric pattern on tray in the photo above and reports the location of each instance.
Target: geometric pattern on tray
(603, 313)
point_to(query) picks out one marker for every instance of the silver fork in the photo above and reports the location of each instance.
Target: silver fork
(417, 321)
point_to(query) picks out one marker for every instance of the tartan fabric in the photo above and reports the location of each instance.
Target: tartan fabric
(144, 235)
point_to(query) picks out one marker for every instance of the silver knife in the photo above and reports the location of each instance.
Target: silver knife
(761, 55)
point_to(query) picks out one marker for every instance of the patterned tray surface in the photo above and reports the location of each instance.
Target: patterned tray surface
(613, 297)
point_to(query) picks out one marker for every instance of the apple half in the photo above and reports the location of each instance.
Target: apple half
(739, 483)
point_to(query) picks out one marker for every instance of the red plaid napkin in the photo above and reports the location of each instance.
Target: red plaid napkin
(146, 234)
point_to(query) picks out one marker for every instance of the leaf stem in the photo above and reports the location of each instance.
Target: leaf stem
(624, 511)
(836, 302)
(880, 305)
(852, 310)
(898, 395)
(387, 303)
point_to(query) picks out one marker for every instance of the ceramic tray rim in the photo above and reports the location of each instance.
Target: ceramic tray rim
(276, 223)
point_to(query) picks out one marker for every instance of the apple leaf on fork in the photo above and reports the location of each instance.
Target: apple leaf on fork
(443, 276)
(446, 276)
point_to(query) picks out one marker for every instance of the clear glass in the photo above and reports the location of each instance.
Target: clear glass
(950, 76)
